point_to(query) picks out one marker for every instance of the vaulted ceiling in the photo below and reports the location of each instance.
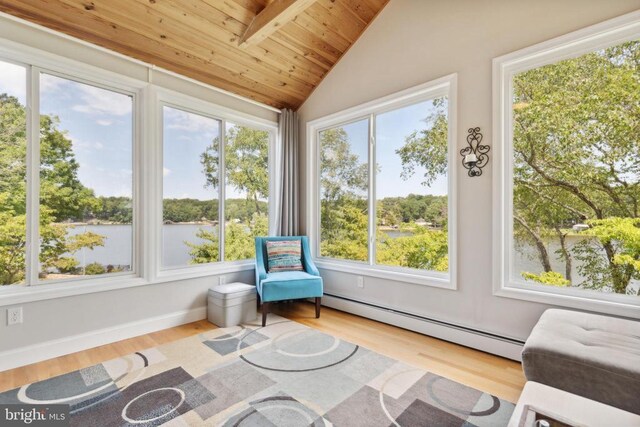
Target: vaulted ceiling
(272, 51)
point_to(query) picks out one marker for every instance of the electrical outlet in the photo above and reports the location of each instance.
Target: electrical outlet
(222, 279)
(14, 315)
(360, 282)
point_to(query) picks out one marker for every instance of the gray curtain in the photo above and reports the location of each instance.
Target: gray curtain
(287, 224)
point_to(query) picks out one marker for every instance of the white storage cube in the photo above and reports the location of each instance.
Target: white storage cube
(231, 304)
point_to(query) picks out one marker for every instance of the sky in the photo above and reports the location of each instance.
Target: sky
(186, 137)
(391, 130)
(99, 123)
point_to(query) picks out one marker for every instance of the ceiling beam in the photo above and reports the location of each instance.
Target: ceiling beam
(271, 18)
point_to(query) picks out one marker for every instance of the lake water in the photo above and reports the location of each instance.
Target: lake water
(118, 238)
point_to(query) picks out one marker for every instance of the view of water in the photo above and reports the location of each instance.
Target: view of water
(118, 244)
(117, 248)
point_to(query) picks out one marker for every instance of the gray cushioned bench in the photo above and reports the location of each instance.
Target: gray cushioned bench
(594, 356)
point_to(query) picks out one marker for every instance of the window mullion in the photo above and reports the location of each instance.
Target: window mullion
(372, 190)
(33, 176)
(222, 189)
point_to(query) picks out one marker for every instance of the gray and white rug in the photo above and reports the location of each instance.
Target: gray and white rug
(284, 374)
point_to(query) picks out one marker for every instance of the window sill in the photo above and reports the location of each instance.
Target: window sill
(436, 280)
(17, 294)
(573, 298)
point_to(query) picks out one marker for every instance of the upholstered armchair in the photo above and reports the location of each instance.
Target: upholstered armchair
(286, 285)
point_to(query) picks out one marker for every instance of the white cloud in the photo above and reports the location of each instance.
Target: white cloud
(98, 145)
(166, 171)
(97, 101)
(13, 81)
(103, 122)
(49, 83)
(181, 120)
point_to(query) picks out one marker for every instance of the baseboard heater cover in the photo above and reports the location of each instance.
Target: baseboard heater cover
(469, 337)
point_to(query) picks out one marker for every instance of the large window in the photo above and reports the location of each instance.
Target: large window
(572, 213)
(86, 179)
(383, 184)
(79, 220)
(208, 175)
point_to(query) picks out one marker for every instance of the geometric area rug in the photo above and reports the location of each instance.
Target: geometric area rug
(284, 374)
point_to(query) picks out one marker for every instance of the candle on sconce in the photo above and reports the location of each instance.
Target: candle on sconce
(470, 159)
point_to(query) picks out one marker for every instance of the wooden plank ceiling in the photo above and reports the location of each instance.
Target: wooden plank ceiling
(290, 47)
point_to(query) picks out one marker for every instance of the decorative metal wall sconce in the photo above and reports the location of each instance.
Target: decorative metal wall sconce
(475, 157)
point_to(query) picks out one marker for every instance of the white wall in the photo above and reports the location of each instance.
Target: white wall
(69, 323)
(415, 41)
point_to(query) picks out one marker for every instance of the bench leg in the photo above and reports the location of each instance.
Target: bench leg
(265, 310)
(318, 299)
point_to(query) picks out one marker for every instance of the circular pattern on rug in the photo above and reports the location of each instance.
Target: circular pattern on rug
(152, 404)
(276, 408)
(40, 391)
(297, 349)
(441, 401)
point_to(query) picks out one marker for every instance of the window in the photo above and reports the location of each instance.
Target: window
(86, 180)
(344, 188)
(246, 216)
(13, 170)
(85, 153)
(572, 177)
(209, 174)
(411, 186)
(70, 215)
(191, 226)
(383, 185)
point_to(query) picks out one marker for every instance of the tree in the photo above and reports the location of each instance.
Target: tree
(577, 158)
(428, 148)
(62, 195)
(246, 163)
(247, 171)
(343, 204)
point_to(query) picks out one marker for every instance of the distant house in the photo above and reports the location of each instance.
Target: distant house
(422, 223)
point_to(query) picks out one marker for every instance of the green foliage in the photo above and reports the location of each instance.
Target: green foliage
(63, 197)
(343, 204)
(427, 148)
(94, 269)
(114, 210)
(427, 250)
(246, 163)
(576, 160)
(239, 241)
(619, 239)
(547, 278)
(247, 171)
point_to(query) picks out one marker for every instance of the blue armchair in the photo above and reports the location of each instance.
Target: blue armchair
(286, 285)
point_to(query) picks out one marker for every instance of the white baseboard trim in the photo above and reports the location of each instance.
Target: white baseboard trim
(59, 347)
(483, 342)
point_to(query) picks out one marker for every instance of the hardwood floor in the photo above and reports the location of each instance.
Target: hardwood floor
(486, 372)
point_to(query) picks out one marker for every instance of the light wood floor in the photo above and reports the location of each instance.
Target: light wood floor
(492, 374)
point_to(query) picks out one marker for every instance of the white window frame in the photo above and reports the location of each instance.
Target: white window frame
(37, 63)
(165, 97)
(599, 36)
(445, 86)
(147, 174)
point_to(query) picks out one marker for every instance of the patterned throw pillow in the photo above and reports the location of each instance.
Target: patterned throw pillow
(284, 255)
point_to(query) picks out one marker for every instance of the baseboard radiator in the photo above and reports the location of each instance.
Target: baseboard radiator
(469, 337)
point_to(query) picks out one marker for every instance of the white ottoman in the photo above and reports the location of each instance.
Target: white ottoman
(231, 304)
